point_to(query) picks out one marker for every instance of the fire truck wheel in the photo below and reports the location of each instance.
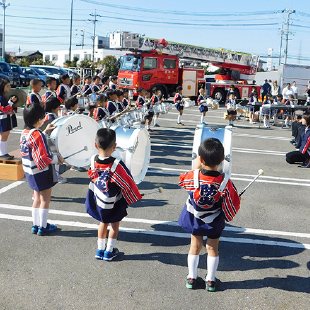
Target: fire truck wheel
(219, 94)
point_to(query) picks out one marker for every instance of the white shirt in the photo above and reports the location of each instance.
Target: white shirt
(295, 89)
(287, 92)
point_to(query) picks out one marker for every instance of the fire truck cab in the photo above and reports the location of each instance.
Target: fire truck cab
(152, 69)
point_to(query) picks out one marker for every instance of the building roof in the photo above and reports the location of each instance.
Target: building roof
(29, 53)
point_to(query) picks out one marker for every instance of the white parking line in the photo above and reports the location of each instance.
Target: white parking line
(164, 233)
(235, 149)
(10, 186)
(239, 177)
(167, 223)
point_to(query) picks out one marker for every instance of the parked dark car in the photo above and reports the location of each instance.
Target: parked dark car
(23, 80)
(6, 69)
(30, 74)
(2, 75)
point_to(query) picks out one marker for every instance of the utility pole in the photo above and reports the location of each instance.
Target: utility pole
(280, 53)
(3, 39)
(83, 37)
(94, 36)
(289, 12)
(70, 44)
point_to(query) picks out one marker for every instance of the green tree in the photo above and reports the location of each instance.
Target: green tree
(72, 63)
(111, 65)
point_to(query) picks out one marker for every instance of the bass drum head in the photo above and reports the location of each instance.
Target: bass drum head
(73, 134)
(222, 134)
(134, 149)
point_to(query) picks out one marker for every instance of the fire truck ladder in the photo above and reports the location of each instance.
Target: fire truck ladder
(136, 42)
(199, 53)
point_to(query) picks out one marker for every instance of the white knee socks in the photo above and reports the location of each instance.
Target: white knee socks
(179, 118)
(111, 244)
(102, 243)
(35, 216)
(212, 264)
(202, 119)
(43, 217)
(155, 120)
(3, 148)
(192, 262)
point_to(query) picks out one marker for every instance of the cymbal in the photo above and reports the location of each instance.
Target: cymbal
(20, 94)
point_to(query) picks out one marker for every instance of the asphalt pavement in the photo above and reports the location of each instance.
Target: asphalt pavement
(264, 251)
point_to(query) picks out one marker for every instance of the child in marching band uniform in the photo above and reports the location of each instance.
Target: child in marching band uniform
(266, 111)
(38, 166)
(253, 101)
(206, 209)
(34, 96)
(112, 106)
(51, 83)
(76, 85)
(149, 111)
(101, 111)
(231, 105)
(156, 100)
(86, 90)
(71, 104)
(51, 108)
(291, 103)
(179, 104)
(7, 118)
(126, 101)
(105, 83)
(122, 105)
(202, 106)
(63, 90)
(76, 90)
(111, 190)
(113, 82)
(96, 84)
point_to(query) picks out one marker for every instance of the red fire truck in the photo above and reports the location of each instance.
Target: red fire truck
(159, 63)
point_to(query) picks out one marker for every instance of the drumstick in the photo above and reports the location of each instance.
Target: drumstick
(260, 172)
(50, 95)
(159, 189)
(85, 148)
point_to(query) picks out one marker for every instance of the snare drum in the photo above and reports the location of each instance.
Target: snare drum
(225, 136)
(82, 103)
(157, 109)
(92, 100)
(188, 103)
(103, 123)
(124, 120)
(134, 149)
(74, 135)
(134, 116)
(62, 111)
(166, 106)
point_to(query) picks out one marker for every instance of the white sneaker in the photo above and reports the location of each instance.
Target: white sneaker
(62, 180)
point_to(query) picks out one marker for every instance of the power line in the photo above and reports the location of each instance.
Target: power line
(139, 9)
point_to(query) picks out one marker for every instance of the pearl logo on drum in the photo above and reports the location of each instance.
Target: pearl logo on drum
(71, 130)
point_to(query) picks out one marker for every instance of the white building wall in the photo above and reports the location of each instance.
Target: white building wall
(59, 57)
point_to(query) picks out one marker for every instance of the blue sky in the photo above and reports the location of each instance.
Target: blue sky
(246, 26)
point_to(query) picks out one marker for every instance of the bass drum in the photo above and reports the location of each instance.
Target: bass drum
(222, 134)
(134, 149)
(74, 137)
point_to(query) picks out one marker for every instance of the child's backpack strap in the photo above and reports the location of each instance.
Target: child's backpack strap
(92, 162)
(115, 164)
(196, 178)
(30, 132)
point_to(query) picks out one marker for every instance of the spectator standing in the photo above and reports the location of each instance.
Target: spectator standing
(295, 90)
(275, 90)
(266, 88)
